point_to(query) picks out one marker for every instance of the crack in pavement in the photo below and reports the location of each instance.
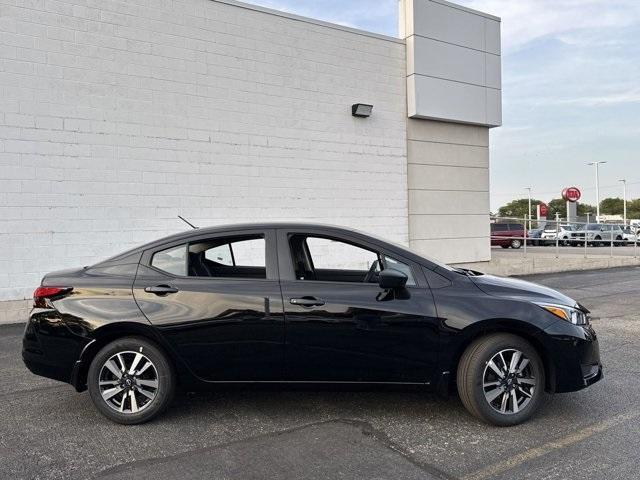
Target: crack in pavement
(366, 429)
(539, 451)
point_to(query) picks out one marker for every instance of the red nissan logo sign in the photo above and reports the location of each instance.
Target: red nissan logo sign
(571, 194)
(543, 210)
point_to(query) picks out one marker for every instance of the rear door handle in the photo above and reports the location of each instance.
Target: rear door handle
(306, 302)
(161, 289)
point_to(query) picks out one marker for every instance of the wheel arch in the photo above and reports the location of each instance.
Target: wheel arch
(113, 331)
(525, 330)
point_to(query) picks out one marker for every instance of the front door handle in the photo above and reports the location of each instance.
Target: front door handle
(161, 289)
(306, 302)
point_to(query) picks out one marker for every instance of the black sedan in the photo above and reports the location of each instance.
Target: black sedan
(302, 303)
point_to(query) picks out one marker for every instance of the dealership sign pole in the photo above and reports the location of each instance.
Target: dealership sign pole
(571, 195)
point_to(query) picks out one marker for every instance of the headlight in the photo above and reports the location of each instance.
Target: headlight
(570, 314)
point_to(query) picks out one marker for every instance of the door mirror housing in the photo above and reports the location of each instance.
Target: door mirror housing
(391, 278)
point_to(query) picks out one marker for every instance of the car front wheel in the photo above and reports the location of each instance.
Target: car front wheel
(515, 243)
(131, 380)
(501, 379)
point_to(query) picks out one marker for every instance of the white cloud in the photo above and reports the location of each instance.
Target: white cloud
(630, 96)
(527, 20)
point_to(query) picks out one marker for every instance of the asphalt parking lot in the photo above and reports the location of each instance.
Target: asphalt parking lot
(47, 431)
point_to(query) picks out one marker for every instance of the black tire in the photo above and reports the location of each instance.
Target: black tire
(160, 369)
(505, 246)
(471, 374)
(598, 242)
(515, 243)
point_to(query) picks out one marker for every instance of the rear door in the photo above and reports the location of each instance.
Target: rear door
(217, 300)
(340, 325)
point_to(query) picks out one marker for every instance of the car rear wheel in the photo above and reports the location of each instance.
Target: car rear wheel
(515, 243)
(131, 380)
(501, 379)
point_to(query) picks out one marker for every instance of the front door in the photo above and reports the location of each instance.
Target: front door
(340, 325)
(217, 301)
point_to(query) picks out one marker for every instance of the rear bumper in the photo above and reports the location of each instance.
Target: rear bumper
(39, 365)
(574, 357)
(49, 348)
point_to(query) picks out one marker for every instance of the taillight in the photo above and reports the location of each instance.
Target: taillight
(42, 293)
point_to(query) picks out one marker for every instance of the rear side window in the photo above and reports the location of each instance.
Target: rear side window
(499, 227)
(228, 257)
(173, 260)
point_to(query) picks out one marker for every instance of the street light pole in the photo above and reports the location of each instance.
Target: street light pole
(624, 194)
(529, 190)
(597, 164)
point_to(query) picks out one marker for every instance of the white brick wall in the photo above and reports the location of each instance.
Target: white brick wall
(117, 116)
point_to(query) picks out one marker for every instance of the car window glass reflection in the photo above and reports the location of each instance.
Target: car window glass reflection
(332, 260)
(238, 257)
(172, 260)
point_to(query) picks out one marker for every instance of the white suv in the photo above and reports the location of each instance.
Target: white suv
(598, 234)
(548, 237)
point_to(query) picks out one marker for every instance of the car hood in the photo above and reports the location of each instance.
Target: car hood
(520, 289)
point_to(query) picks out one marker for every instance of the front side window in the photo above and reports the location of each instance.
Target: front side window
(172, 260)
(330, 254)
(333, 260)
(403, 267)
(220, 254)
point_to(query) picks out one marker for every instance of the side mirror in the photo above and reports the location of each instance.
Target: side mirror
(392, 279)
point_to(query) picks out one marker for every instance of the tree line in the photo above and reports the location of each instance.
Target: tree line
(609, 206)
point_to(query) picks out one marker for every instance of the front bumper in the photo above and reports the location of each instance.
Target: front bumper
(574, 356)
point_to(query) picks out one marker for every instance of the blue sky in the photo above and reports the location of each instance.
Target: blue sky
(571, 89)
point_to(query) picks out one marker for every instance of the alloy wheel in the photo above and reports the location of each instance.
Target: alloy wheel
(128, 382)
(508, 381)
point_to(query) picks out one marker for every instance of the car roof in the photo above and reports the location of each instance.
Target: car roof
(252, 226)
(336, 229)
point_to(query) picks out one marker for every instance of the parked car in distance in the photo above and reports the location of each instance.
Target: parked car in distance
(629, 236)
(507, 235)
(533, 236)
(563, 234)
(302, 303)
(598, 234)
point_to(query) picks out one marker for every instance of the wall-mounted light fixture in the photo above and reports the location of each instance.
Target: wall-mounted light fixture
(361, 110)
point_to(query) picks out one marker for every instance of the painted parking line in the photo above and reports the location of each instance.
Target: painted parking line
(536, 452)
